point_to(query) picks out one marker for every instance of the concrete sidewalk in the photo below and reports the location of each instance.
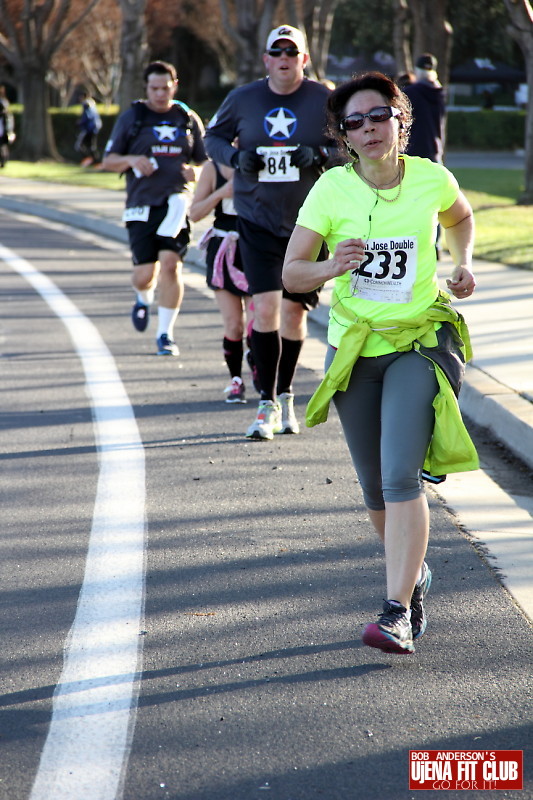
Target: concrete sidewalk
(497, 393)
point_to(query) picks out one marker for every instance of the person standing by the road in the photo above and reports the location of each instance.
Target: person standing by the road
(214, 193)
(90, 125)
(7, 127)
(396, 345)
(156, 142)
(427, 98)
(279, 122)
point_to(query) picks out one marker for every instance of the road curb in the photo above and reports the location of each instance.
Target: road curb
(83, 222)
(499, 409)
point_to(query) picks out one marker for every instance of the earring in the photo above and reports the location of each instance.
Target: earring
(351, 152)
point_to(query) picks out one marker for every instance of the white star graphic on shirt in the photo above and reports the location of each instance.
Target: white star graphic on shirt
(280, 122)
(165, 132)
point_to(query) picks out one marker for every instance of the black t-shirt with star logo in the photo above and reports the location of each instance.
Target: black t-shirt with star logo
(173, 138)
(261, 118)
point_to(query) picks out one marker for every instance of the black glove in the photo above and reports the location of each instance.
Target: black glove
(248, 163)
(305, 156)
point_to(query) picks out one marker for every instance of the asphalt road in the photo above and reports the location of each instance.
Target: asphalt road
(493, 159)
(259, 566)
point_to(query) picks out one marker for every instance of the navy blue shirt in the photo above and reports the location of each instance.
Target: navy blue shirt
(173, 138)
(427, 132)
(259, 117)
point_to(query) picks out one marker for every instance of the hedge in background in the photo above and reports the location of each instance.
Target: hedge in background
(467, 130)
(486, 130)
(66, 130)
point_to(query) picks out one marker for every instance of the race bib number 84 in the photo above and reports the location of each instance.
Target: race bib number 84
(278, 167)
(388, 270)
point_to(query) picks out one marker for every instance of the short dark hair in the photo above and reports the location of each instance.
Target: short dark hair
(377, 82)
(427, 61)
(160, 68)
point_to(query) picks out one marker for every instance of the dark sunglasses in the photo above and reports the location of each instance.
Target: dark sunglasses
(378, 114)
(275, 52)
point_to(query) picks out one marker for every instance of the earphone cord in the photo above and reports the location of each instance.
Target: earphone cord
(356, 272)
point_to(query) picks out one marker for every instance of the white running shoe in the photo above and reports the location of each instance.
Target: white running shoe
(267, 422)
(289, 423)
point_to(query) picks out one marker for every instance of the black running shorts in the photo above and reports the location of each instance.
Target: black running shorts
(212, 249)
(146, 244)
(262, 254)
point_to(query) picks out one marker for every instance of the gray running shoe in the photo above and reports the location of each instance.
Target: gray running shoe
(289, 423)
(392, 633)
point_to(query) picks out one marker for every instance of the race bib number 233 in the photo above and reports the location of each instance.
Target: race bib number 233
(388, 270)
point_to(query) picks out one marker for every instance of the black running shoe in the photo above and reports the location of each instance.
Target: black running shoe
(140, 316)
(418, 617)
(392, 633)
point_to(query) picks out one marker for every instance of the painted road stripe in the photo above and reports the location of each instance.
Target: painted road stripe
(87, 748)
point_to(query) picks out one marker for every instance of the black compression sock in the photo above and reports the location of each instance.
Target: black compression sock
(233, 351)
(290, 353)
(266, 348)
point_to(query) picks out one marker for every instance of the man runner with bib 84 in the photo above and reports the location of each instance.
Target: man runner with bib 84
(279, 122)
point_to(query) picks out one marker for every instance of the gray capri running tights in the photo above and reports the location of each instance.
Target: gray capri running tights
(387, 417)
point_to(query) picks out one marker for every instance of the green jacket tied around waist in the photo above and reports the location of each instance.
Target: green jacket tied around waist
(451, 448)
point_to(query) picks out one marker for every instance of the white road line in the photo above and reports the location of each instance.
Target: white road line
(87, 748)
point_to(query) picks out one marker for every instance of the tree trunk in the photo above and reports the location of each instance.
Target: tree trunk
(318, 21)
(527, 196)
(249, 35)
(36, 140)
(29, 41)
(521, 29)
(432, 33)
(133, 51)
(402, 50)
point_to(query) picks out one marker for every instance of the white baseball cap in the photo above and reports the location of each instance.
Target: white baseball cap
(287, 32)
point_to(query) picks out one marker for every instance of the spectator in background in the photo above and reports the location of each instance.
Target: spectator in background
(7, 127)
(428, 103)
(405, 78)
(428, 109)
(90, 125)
(488, 99)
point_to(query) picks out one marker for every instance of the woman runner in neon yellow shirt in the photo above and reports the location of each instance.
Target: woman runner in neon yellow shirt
(378, 215)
